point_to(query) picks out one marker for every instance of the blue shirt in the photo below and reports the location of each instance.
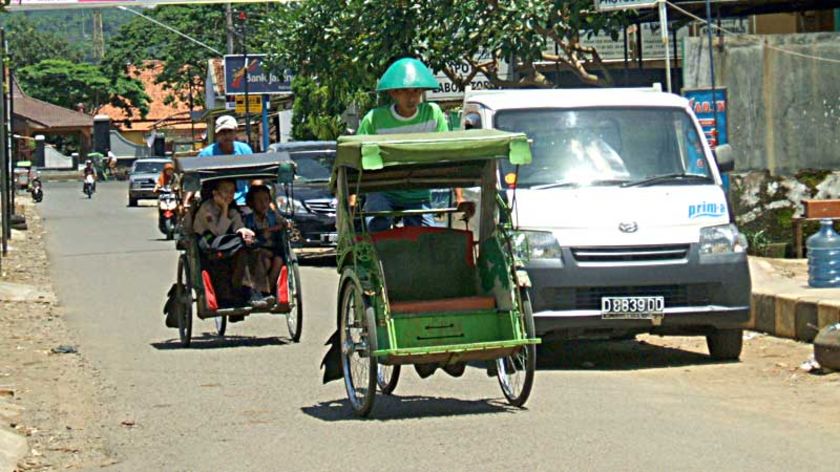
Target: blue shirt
(239, 148)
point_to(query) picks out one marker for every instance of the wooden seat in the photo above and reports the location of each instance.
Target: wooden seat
(444, 305)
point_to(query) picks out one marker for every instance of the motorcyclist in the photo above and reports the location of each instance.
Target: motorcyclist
(89, 170)
(167, 178)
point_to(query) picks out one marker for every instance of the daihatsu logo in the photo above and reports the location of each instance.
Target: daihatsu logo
(630, 227)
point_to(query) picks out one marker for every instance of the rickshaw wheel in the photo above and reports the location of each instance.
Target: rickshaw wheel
(516, 372)
(221, 325)
(358, 365)
(387, 377)
(185, 294)
(294, 319)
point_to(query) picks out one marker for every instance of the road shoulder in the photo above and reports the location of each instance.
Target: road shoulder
(50, 388)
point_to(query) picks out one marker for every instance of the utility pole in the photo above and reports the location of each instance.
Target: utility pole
(712, 69)
(229, 27)
(6, 229)
(243, 17)
(98, 37)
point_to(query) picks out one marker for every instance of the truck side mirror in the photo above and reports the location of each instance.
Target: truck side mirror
(725, 158)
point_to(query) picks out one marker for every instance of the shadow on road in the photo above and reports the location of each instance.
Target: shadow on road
(390, 407)
(317, 260)
(211, 341)
(615, 355)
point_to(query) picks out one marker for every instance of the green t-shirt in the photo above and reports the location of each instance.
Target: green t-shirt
(385, 120)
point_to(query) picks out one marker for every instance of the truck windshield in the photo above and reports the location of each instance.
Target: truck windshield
(608, 146)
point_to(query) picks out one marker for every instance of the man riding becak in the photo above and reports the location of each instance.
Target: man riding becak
(405, 81)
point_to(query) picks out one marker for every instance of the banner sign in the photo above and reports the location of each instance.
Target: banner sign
(260, 81)
(704, 107)
(609, 5)
(28, 5)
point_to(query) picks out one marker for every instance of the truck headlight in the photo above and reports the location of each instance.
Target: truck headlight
(530, 245)
(286, 205)
(723, 239)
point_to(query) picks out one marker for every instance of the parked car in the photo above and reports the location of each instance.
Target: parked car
(622, 217)
(142, 177)
(312, 207)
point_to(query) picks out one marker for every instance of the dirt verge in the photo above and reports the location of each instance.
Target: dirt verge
(52, 385)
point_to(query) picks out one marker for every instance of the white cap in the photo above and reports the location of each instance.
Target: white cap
(226, 122)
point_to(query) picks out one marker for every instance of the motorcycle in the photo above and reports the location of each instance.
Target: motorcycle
(167, 212)
(89, 186)
(36, 190)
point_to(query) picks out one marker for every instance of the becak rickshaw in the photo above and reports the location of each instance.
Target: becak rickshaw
(436, 294)
(204, 280)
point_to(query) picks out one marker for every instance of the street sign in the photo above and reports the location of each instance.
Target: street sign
(254, 104)
(449, 91)
(260, 81)
(612, 5)
(28, 5)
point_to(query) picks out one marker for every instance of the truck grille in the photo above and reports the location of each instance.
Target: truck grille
(589, 298)
(323, 206)
(631, 254)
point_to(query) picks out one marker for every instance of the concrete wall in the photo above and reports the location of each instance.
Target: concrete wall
(784, 109)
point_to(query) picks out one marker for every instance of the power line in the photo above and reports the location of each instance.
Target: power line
(768, 46)
(172, 29)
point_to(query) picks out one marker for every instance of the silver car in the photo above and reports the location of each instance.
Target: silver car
(142, 177)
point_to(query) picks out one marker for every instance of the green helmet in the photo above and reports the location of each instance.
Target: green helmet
(407, 73)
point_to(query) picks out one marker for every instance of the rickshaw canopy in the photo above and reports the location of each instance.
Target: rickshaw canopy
(277, 166)
(457, 154)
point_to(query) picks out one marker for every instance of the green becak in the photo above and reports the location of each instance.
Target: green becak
(407, 73)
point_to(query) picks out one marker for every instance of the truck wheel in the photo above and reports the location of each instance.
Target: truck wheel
(132, 202)
(725, 344)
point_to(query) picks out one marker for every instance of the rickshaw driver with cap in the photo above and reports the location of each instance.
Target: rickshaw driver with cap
(406, 81)
(226, 144)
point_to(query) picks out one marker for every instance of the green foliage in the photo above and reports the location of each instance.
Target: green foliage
(346, 44)
(317, 109)
(29, 44)
(68, 84)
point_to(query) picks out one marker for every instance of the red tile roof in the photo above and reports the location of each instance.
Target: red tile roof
(159, 108)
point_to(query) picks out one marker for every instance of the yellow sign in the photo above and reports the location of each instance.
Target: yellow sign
(254, 103)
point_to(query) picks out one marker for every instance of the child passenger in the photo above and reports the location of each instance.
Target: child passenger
(218, 222)
(267, 255)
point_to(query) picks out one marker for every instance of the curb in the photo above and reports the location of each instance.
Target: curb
(791, 315)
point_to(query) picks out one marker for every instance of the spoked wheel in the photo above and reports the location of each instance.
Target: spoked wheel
(387, 377)
(294, 319)
(221, 325)
(516, 372)
(359, 366)
(185, 299)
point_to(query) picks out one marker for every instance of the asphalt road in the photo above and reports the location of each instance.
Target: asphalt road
(255, 401)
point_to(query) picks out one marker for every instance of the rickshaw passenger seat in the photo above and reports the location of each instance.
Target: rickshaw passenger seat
(430, 269)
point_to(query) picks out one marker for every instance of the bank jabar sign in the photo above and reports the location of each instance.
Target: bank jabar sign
(260, 81)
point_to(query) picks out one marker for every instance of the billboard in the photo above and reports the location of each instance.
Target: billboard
(28, 5)
(260, 81)
(700, 100)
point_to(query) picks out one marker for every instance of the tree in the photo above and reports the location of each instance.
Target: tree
(344, 45)
(184, 62)
(68, 84)
(356, 39)
(28, 44)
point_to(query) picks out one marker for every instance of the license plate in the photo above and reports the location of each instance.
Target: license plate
(632, 308)
(329, 238)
